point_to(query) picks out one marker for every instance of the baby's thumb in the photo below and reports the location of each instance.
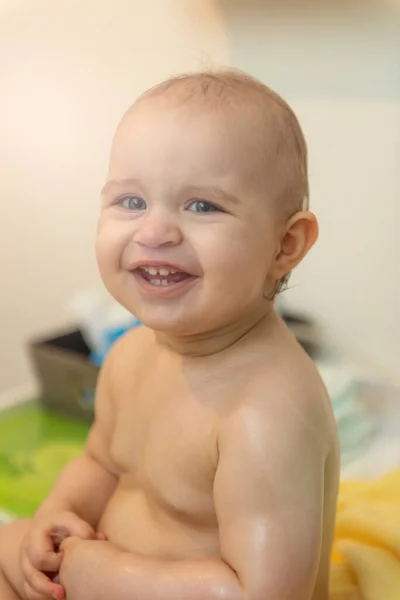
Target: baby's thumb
(77, 527)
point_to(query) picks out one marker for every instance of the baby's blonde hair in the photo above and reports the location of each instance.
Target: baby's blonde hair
(285, 145)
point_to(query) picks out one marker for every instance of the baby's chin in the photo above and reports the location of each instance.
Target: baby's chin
(169, 324)
(178, 325)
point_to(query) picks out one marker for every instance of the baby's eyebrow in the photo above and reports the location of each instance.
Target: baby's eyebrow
(214, 191)
(117, 183)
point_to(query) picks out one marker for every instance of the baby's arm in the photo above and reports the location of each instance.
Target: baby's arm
(75, 505)
(87, 483)
(269, 494)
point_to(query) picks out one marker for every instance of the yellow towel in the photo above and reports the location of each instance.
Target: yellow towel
(366, 552)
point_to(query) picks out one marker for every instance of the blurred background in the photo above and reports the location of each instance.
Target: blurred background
(68, 70)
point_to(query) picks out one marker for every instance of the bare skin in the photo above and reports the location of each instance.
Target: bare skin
(177, 451)
(212, 466)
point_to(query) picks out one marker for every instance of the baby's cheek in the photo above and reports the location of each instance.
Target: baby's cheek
(109, 248)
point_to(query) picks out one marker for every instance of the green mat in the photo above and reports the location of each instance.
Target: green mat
(34, 447)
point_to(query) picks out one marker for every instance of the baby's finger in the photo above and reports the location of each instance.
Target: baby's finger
(100, 536)
(75, 527)
(58, 591)
(41, 553)
(25, 565)
(30, 593)
(38, 582)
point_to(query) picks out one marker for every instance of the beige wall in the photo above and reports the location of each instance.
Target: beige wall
(68, 69)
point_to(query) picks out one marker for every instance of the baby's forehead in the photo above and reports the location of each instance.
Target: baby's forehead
(238, 104)
(235, 123)
(241, 116)
(195, 132)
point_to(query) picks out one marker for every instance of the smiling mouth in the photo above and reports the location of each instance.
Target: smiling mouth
(162, 276)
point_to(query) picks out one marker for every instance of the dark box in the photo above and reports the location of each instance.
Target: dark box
(66, 376)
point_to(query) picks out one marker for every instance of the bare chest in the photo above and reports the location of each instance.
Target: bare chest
(165, 445)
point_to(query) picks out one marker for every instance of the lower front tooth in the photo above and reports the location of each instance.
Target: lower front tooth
(155, 281)
(164, 282)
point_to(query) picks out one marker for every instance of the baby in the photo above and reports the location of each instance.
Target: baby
(211, 469)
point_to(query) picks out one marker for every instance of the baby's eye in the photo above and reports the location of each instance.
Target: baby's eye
(132, 203)
(201, 206)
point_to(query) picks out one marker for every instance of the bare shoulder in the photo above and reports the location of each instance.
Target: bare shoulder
(126, 353)
(129, 346)
(300, 396)
(121, 366)
(283, 431)
(286, 397)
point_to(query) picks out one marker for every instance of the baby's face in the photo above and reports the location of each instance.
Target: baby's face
(186, 236)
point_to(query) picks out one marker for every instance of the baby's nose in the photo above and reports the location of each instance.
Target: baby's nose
(156, 230)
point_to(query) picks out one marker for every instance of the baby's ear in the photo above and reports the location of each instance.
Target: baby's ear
(299, 235)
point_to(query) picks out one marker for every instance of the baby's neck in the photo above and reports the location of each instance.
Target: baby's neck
(213, 342)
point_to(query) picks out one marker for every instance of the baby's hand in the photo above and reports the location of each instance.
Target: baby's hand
(40, 556)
